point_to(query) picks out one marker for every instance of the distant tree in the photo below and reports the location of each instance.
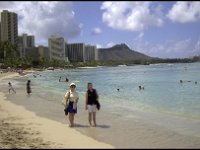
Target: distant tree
(7, 50)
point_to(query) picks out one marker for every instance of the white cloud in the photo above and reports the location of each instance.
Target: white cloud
(110, 44)
(98, 45)
(169, 49)
(96, 31)
(185, 12)
(131, 16)
(42, 19)
(139, 37)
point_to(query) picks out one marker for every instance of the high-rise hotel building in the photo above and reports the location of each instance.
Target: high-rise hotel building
(91, 53)
(56, 46)
(25, 41)
(79, 52)
(9, 27)
(75, 52)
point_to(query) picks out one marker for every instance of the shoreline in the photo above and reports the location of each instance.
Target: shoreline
(134, 131)
(27, 130)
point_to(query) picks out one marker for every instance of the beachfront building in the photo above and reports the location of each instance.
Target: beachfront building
(0, 28)
(25, 41)
(79, 52)
(9, 27)
(32, 53)
(75, 52)
(37, 53)
(56, 47)
(91, 53)
(43, 52)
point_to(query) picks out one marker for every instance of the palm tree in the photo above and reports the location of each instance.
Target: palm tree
(7, 50)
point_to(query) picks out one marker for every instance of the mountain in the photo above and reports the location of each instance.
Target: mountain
(120, 52)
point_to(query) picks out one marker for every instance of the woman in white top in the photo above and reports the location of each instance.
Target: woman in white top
(71, 98)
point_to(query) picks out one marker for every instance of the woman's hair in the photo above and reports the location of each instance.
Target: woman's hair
(89, 83)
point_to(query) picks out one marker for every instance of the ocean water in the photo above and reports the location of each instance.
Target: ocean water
(162, 92)
(166, 114)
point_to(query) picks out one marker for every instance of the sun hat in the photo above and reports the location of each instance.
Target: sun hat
(72, 84)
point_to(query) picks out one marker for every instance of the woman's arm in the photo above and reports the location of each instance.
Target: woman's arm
(86, 100)
(97, 95)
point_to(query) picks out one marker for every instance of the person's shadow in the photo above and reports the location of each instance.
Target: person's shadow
(103, 126)
(87, 126)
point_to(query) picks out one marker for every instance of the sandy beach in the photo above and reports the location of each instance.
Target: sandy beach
(20, 128)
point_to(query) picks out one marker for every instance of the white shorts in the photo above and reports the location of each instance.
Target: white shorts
(92, 108)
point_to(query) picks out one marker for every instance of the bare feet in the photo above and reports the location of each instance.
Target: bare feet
(71, 125)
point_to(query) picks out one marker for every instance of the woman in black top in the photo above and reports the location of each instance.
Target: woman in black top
(91, 103)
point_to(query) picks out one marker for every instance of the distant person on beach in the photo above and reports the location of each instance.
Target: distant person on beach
(71, 98)
(118, 90)
(28, 87)
(10, 88)
(59, 79)
(195, 82)
(181, 81)
(91, 103)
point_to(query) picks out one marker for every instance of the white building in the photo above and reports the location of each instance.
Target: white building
(56, 46)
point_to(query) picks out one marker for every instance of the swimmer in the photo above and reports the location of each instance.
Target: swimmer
(141, 88)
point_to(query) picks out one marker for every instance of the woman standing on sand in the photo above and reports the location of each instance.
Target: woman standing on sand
(91, 103)
(71, 98)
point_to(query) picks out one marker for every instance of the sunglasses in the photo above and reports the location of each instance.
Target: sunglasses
(73, 86)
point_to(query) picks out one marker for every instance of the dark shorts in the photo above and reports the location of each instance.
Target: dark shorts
(70, 108)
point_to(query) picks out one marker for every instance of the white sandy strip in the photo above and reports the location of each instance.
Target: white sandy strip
(9, 75)
(50, 130)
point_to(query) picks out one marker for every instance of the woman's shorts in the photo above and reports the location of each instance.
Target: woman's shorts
(92, 108)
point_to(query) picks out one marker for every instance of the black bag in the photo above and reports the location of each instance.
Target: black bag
(66, 111)
(98, 105)
(66, 108)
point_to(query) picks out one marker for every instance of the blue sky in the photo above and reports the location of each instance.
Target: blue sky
(159, 29)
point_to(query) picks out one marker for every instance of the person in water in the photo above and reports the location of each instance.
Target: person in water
(141, 88)
(10, 88)
(66, 80)
(28, 87)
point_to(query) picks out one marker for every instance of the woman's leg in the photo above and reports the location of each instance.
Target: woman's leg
(94, 118)
(13, 90)
(73, 114)
(90, 118)
(70, 119)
